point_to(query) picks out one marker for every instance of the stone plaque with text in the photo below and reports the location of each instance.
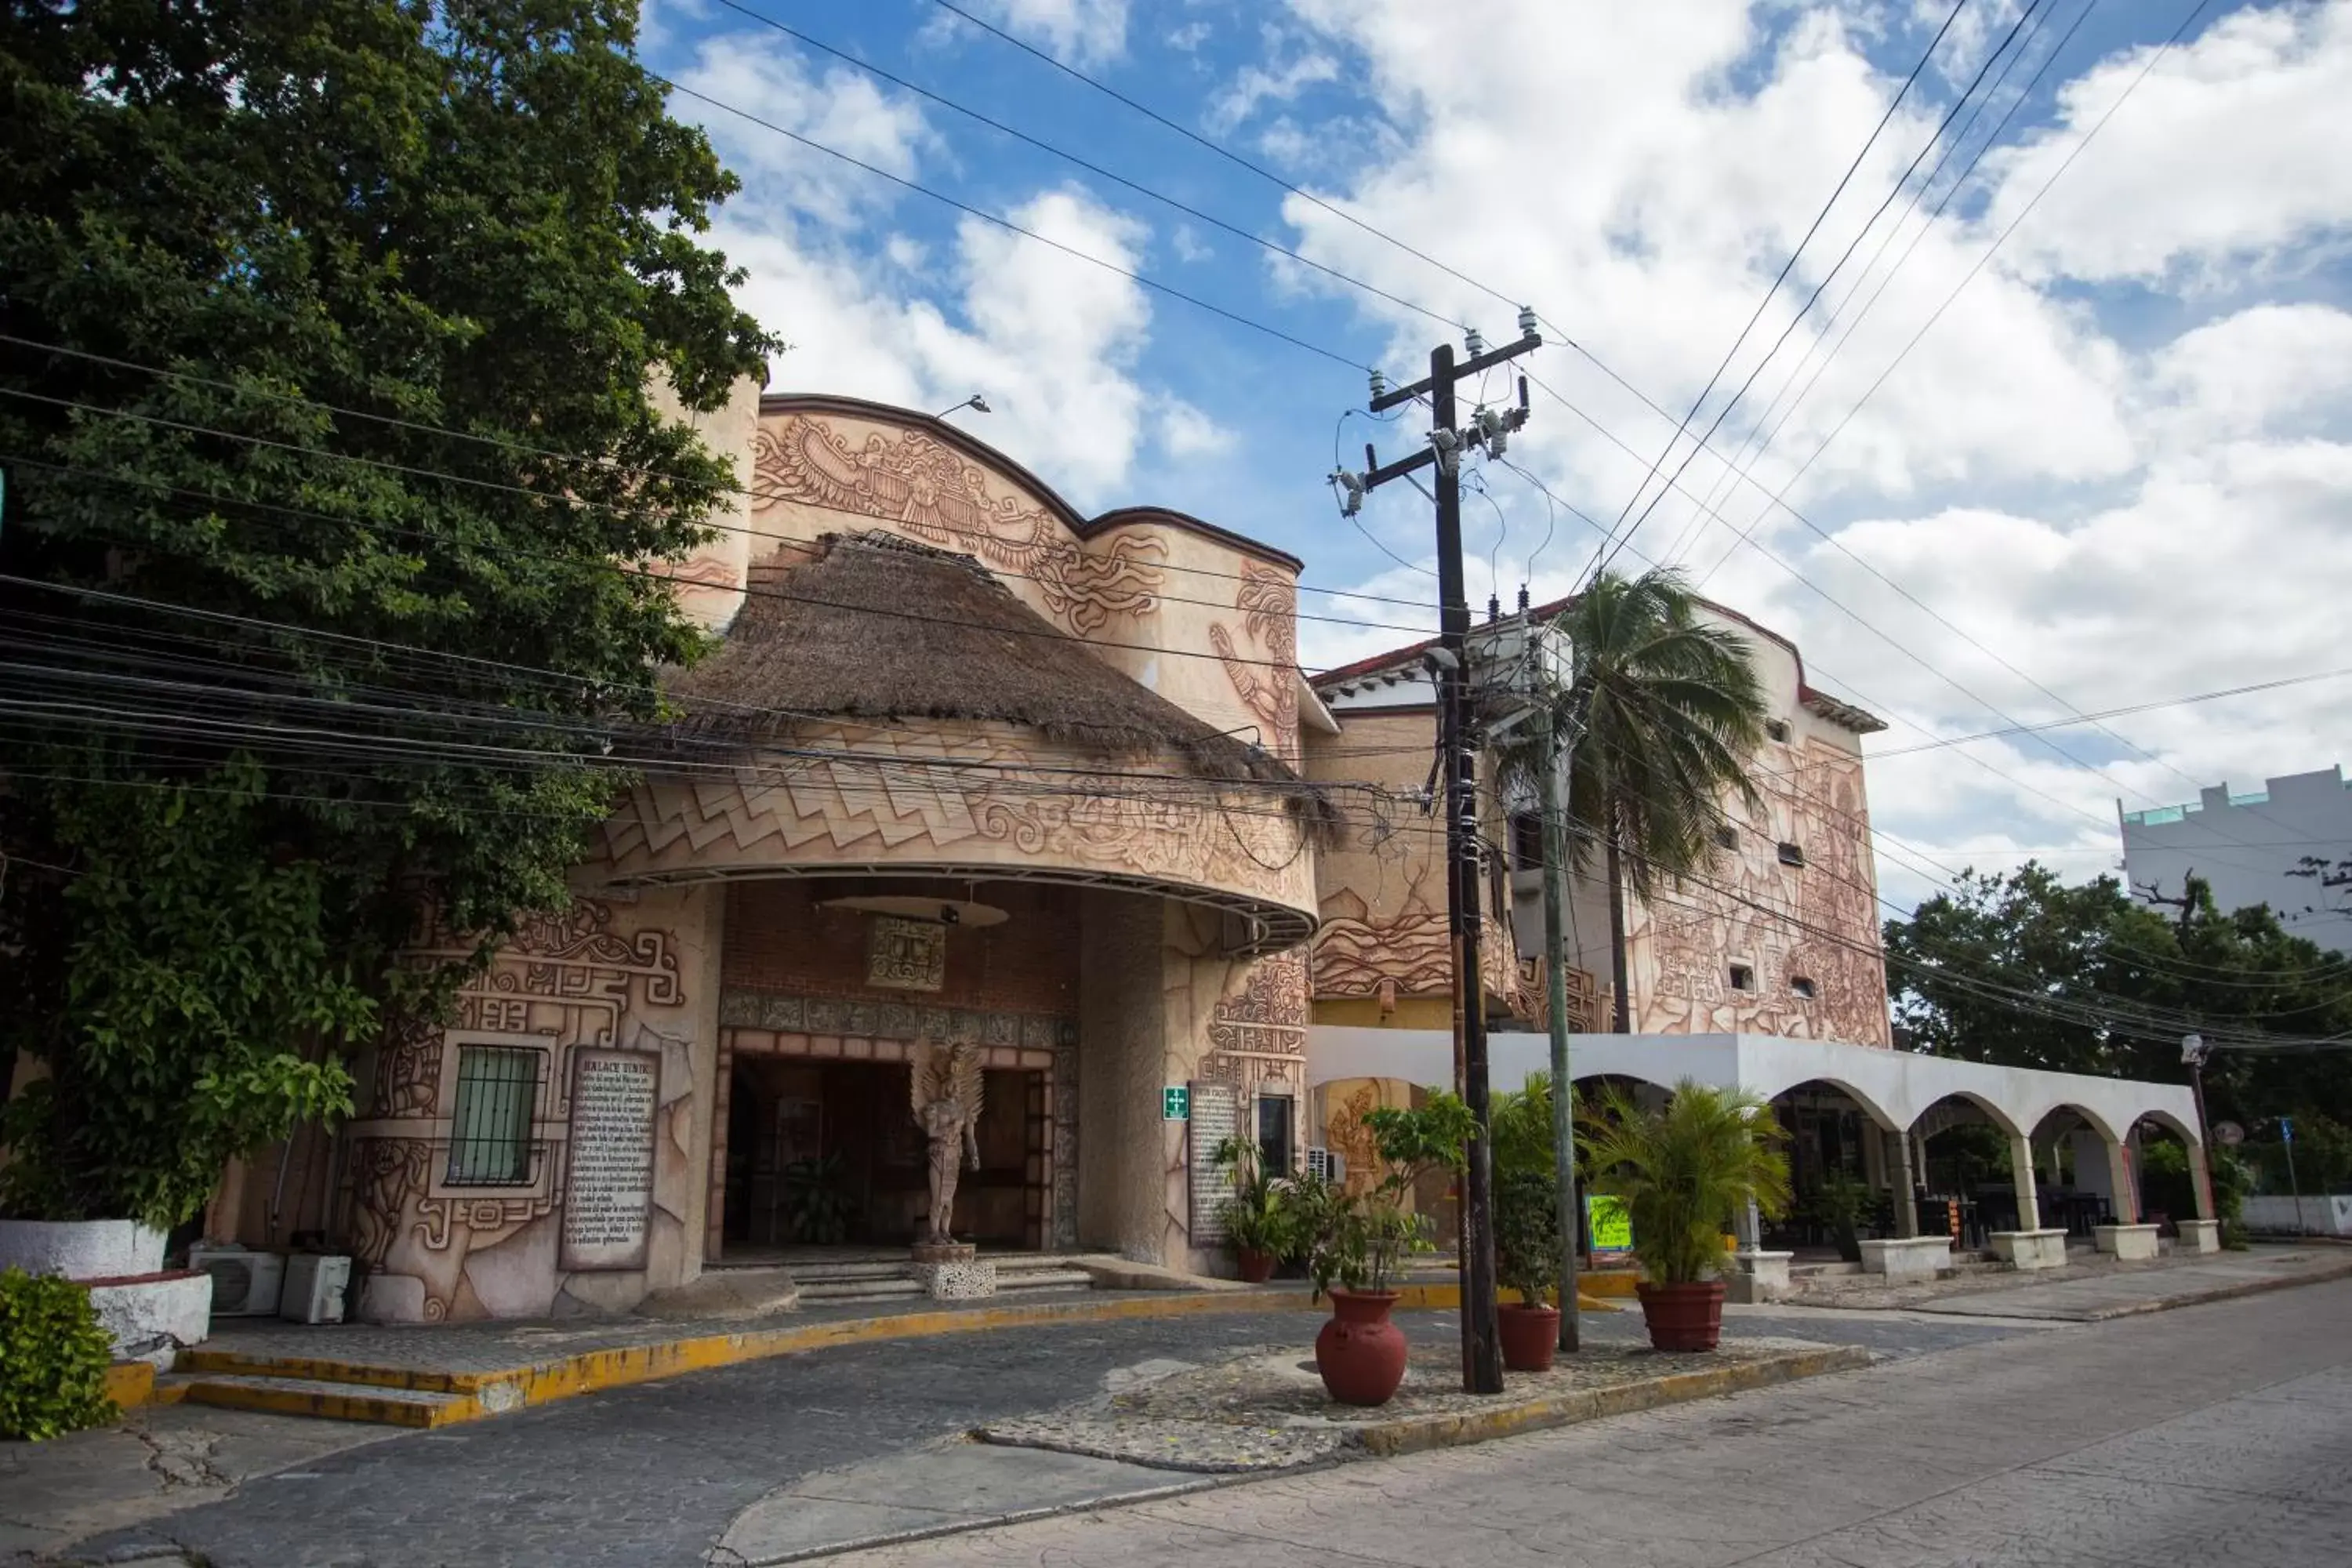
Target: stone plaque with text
(1216, 1116)
(608, 1190)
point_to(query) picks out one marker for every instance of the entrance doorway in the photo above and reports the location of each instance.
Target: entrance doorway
(828, 1154)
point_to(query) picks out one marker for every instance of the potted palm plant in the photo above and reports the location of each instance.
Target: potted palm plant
(1361, 1243)
(1682, 1171)
(1527, 1258)
(1257, 1217)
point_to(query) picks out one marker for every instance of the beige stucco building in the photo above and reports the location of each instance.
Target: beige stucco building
(966, 764)
(969, 764)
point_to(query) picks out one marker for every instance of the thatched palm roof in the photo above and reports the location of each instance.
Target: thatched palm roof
(871, 625)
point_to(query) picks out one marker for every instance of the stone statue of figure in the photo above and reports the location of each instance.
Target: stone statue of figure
(946, 1096)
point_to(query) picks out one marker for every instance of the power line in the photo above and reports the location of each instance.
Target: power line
(1843, 256)
(750, 492)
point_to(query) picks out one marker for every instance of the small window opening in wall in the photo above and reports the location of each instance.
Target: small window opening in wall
(1726, 836)
(489, 1141)
(1527, 841)
(1777, 729)
(1743, 977)
(1792, 854)
(1275, 1123)
(1802, 987)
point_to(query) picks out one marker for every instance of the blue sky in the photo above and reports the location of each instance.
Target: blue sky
(2115, 470)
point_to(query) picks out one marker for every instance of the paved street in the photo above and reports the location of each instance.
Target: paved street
(655, 1474)
(2209, 1435)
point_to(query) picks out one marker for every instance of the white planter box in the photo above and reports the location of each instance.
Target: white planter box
(1760, 1277)
(2321, 1214)
(82, 1248)
(154, 1320)
(2030, 1249)
(2200, 1235)
(1907, 1259)
(2126, 1243)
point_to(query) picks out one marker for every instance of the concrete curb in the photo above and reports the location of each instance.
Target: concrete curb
(2219, 1293)
(473, 1395)
(1415, 1434)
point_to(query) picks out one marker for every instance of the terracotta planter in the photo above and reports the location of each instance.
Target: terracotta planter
(1530, 1335)
(1682, 1317)
(1257, 1266)
(1360, 1352)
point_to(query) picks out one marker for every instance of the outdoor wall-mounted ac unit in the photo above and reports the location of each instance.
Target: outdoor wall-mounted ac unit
(1329, 1164)
(315, 1284)
(245, 1283)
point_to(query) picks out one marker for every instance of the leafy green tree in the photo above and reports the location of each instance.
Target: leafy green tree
(2024, 970)
(1666, 712)
(344, 619)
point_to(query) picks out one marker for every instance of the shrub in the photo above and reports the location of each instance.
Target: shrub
(1527, 1234)
(53, 1358)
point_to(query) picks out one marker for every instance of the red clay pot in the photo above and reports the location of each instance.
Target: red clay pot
(1360, 1352)
(1530, 1335)
(1257, 1267)
(1682, 1317)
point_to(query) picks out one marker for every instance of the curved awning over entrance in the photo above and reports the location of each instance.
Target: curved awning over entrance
(885, 709)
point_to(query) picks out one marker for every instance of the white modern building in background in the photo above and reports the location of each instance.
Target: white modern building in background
(2288, 845)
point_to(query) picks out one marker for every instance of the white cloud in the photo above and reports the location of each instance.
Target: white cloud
(1075, 32)
(1188, 37)
(2121, 517)
(2269, 367)
(2233, 146)
(1051, 340)
(759, 75)
(1256, 85)
(1187, 432)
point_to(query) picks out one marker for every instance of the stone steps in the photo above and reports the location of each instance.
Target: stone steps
(319, 1397)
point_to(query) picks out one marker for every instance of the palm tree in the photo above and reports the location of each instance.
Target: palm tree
(1663, 711)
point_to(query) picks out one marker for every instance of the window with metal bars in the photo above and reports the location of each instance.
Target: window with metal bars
(490, 1138)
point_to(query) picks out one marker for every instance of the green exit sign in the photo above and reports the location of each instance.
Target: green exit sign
(1176, 1103)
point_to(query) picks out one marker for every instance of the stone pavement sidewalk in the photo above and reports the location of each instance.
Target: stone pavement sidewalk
(854, 1441)
(2091, 1287)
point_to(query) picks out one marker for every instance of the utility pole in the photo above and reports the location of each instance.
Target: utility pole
(1563, 1086)
(1482, 1360)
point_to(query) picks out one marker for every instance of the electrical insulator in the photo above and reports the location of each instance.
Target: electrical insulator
(1526, 320)
(1473, 343)
(1380, 385)
(1448, 446)
(1351, 491)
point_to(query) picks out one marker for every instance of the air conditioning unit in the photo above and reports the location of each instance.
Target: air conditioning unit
(1329, 1164)
(315, 1286)
(245, 1283)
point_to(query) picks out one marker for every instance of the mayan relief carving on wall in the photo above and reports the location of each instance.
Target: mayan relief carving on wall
(1357, 950)
(1264, 677)
(920, 814)
(1682, 957)
(936, 494)
(565, 979)
(1258, 1039)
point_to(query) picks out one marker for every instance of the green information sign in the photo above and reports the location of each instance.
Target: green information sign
(1176, 1103)
(1610, 1225)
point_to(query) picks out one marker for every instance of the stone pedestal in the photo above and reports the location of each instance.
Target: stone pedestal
(953, 1271)
(2030, 1249)
(1907, 1259)
(1761, 1276)
(2126, 1243)
(2201, 1236)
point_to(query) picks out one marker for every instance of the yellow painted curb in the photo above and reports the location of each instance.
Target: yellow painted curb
(497, 1392)
(1414, 1434)
(130, 1384)
(494, 1393)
